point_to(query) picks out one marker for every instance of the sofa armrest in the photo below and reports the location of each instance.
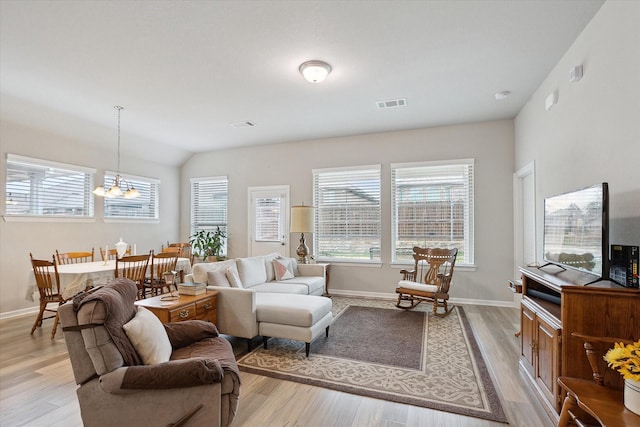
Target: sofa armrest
(236, 311)
(312, 270)
(167, 375)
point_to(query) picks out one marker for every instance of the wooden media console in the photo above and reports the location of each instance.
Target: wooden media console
(554, 305)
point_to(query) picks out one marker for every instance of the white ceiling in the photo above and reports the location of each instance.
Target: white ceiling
(186, 70)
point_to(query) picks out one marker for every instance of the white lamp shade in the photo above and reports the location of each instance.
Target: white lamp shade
(302, 219)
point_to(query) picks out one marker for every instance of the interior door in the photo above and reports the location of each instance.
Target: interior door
(268, 220)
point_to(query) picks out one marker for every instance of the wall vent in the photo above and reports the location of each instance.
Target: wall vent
(391, 103)
(245, 124)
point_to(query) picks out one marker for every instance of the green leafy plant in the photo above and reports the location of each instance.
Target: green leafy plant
(208, 243)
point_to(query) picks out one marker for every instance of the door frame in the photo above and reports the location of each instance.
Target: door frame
(250, 212)
(519, 218)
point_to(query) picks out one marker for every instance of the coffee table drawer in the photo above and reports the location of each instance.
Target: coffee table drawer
(185, 312)
(206, 310)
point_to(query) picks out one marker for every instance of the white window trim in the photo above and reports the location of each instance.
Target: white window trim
(52, 164)
(128, 219)
(469, 239)
(347, 261)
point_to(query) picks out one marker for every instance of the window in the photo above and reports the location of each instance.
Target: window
(42, 188)
(143, 207)
(432, 205)
(209, 205)
(348, 220)
(267, 219)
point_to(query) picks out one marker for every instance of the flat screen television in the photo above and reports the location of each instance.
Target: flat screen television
(576, 230)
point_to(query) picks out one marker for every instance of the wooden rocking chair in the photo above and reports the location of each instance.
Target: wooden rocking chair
(429, 280)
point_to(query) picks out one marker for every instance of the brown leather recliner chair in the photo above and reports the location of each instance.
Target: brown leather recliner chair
(198, 386)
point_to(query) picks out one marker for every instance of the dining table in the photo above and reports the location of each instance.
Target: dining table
(75, 278)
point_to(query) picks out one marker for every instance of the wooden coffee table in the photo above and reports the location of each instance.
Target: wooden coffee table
(186, 307)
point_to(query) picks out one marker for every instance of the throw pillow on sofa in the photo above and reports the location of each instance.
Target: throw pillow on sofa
(283, 268)
(218, 278)
(233, 277)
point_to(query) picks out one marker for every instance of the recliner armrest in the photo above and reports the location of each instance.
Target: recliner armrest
(167, 375)
(182, 334)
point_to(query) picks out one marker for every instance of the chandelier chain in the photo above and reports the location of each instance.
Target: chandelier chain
(119, 108)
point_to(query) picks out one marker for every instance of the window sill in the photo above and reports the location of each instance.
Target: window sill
(41, 218)
(459, 267)
(131, 221)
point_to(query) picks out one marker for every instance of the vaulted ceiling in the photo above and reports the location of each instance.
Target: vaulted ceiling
(187, 71)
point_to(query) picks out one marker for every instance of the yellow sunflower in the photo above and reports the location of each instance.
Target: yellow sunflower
(625, 359)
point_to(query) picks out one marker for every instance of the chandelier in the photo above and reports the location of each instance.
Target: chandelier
(120, 185)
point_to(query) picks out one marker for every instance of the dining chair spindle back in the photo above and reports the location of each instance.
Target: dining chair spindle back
(113, 254)
(161, 263)
(48, 282)
(75, 257)
(134, 267)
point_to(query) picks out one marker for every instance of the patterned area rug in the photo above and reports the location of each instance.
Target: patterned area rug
(449, 374)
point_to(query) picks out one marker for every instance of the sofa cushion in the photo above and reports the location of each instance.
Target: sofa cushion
(314, 284)
(233, 278)
(148, 336)
(252, 271)
(199, 270)
(281, 288)
(217, 278)
(283, 269)
(294, 310)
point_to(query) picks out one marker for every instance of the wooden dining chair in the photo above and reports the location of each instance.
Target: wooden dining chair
(113, 254)
(185, 250)
(75, 257)
(134, 267)
(161, 263)
(48, 282)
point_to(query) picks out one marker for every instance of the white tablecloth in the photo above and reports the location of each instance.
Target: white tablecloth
(75, 278)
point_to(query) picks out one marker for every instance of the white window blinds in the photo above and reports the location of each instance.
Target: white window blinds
(143, 207)
(348, 221)
(432, 206)
(209, 204)
(36, 187)
(268, 211)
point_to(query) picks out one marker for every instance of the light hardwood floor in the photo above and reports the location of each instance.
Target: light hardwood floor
(37, 386)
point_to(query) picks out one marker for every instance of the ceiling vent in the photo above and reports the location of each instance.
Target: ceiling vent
(391, 103)
(245, 124)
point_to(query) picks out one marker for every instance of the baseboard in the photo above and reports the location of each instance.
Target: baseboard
(394, 296)
(21, 312)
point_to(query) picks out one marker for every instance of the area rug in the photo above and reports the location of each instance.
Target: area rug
(378, 351)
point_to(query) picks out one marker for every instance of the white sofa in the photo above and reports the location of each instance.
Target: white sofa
(238, 303)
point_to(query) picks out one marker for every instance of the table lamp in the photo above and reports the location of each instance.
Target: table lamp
(302, 221)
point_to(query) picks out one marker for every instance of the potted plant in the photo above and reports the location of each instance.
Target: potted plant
(208, 244)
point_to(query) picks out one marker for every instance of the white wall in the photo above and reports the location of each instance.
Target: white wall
(490, 143)
(592, 135)
(17, 239)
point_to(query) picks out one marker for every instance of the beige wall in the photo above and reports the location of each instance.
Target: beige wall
(17, 239)
(490, 143)
(592, 134)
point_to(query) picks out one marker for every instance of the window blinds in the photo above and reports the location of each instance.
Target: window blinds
(209, 204)
(348, 220)
(432, 206)
(36, 187)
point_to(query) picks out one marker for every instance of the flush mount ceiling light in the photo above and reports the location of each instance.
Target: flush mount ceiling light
(115, 190)
(315, 71)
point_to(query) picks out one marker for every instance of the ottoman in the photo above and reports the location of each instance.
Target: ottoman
(292, 316)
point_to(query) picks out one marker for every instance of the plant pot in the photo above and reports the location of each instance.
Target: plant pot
(632, 396)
